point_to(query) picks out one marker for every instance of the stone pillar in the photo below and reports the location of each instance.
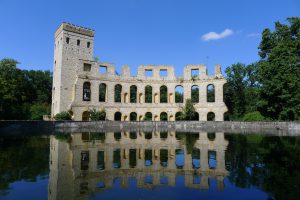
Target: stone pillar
(203, 94)
(204, 158)
(220, 183)
(187, 92)
(219, 116)
(219, 92)
(202, 116)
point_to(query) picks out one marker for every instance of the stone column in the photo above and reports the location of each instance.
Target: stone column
(219, 116)
(203, 94)
(219, 92)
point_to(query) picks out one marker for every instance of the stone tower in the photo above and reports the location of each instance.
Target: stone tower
(72, 43)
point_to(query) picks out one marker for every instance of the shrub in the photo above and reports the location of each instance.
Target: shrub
(38, 110)
(253, 116)
(63, 116)
(97, 115)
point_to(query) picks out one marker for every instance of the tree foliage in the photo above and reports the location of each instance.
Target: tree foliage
(270, 86)
(22, 91)
(279, 71)
(189, 112)
(63, 116)
(97, 115)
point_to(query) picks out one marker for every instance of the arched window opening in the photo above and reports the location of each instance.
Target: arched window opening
(102, 92)
(179, 91)
(118, 91)
(86, 116)
(212, 159)
(133, 94)
(179, 116)
(86, 91)
(195, 94)
(133, 116)
(148, 94)
(163, 94)
(210, 93)
(163, 157)
(163, 116)
(118, 116)
(148, 116)
(211, 136)
(210, 116)
(195, 117)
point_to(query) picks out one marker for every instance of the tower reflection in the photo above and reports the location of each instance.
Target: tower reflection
(85, 163)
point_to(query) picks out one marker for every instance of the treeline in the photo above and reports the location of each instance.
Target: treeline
(268, 89)
(24, 94)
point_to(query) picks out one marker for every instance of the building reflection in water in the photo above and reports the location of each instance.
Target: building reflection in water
(90, 162)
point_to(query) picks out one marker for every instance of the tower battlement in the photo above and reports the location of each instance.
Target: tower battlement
(75, 29)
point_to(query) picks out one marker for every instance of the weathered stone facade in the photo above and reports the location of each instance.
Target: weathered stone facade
(77, 78)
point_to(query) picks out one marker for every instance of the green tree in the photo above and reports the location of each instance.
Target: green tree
(63, 116)
(38, 110)
(189, 112)
(279, 71)
(97, 115)
(241, 92)
(12, 90)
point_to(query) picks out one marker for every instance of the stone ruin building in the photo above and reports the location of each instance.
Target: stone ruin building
(81, 84)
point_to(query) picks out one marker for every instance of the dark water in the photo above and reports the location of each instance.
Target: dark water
(149, 165)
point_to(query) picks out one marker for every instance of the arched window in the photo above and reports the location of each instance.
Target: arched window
(178, 116)
(179, 91)
(148, 116)
(86, 116)
(210, 93)
(195, 117)
(133, 94)
(163, 157)
(148, 94)
(102, 92)
(163, 116)
(133, 116)
(212, 159)
(210, 116)
(195, 94)
(163, 94)
(86, 91)
(118, 91)
(211, 136)
(118, 116)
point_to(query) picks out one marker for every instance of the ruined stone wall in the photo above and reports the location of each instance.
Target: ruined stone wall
(74, 66)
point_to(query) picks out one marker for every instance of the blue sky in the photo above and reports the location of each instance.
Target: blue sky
(134, 32)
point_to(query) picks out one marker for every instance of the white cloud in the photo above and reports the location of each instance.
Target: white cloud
(253, 35)
(216, 36)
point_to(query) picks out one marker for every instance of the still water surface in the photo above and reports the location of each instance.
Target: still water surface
(149, 165)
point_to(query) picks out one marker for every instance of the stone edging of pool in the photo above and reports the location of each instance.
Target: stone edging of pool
(273, 128)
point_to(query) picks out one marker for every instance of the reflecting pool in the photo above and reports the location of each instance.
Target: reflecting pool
(149, 165)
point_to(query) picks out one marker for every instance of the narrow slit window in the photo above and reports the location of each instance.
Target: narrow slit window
(78, 42)
(88, 44)
(67, 40)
